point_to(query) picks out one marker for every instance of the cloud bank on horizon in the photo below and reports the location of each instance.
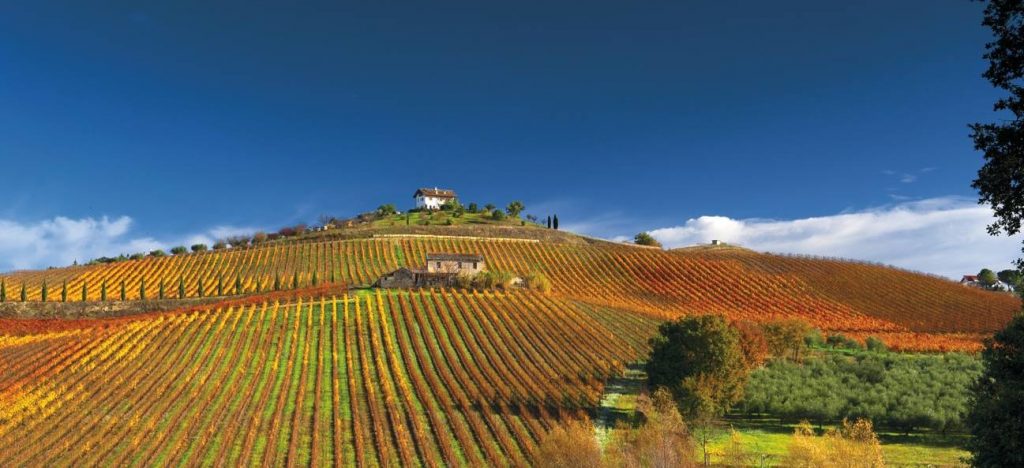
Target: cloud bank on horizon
(945, 236)
(61, 241)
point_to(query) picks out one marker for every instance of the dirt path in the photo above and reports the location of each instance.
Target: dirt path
(618, 402)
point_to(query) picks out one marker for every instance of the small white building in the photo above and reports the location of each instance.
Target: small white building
(432, 198)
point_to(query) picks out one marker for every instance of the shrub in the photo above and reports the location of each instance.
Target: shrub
(473, 208)
(571, 444)
(259, 238)
(386, 210)
(240, 240)
(498, 215)
(874, 344)
(220, 245)
(137, 256)
(157, 253)
(537, 282)
(178, 250)
(199, 247)
(839, 340)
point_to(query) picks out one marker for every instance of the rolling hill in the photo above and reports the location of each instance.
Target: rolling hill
(314, 373)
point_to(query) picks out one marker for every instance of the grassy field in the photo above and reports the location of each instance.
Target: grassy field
(771, 439)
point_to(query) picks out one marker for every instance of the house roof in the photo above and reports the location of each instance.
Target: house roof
(454, 257)
(969, 278)
(434, 192)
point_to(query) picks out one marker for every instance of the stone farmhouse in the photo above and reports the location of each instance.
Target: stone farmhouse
(433, 198)
(441, 270)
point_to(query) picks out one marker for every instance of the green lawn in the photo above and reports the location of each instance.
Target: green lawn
(918, 449)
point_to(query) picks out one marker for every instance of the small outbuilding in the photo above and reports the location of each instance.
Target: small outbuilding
(461, 264)
(441, 270)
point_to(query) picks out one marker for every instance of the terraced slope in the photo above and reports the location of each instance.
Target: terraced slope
(424, 378)
(909, 310)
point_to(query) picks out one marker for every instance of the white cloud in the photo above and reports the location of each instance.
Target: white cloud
(61, 241)
(944, 236)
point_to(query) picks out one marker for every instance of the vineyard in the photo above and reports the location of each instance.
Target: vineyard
(911, 311)
(425, 378)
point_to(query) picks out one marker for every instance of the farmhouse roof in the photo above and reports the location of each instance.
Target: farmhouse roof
(969, 278)
(454, 257)
(434, 192)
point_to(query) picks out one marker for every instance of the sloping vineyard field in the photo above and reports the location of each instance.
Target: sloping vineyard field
(922, 312)
(429, 378)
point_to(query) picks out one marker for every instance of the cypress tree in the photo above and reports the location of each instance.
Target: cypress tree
(259, 285)
(161, 293)
(103, 290)
(3, 291)
(44, 291)
(295, 280)
(181, 287)
(554, 222)
(124, 292)
(85, 292)
(315, 279)
(200, 287)
(238, 284)
(24, 293)
(277, 281)
(334, 277)
(142, 289)
(64, 292)
(549, 221)
(220, 286)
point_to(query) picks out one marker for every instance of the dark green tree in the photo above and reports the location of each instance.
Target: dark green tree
(44, 291)
(200, 288)
(987, 277)
(161, 289)
(315, 279)
(24, 293)
(64, 291)
(549, 221)
(181, 287)
(295, 280)
(179, 250)
(124, 292)
(259, 285)
(103, 290)
(554, 222)
(700, 360)
(277, 281)
(996, 418)
(498, 215)
(85, 292)
(220, 286)
(238, 284)
(142, 289)
(1010, 277)
(1000, 181)
(334, 276)
(3, 291)
(644, 238)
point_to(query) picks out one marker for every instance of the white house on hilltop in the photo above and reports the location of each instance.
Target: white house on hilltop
(432, 198)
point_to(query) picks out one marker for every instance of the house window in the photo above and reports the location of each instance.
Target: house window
(438, 265)
(474, 265)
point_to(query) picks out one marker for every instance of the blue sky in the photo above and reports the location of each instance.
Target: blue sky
(185, 120)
